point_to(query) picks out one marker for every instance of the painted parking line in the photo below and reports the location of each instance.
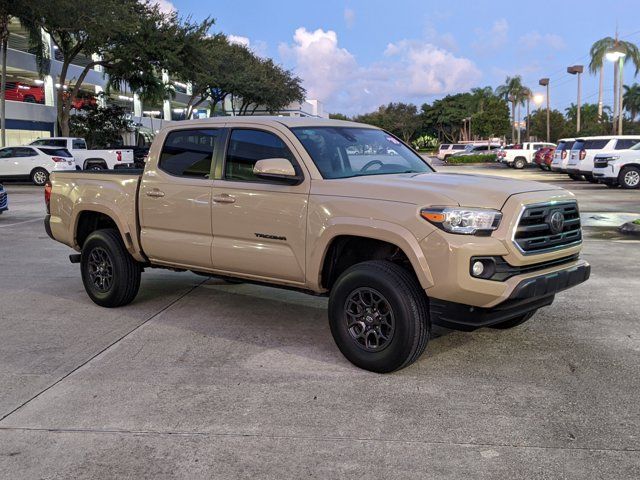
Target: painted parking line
(20, 223)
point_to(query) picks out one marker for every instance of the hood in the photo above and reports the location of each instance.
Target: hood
(433, 188)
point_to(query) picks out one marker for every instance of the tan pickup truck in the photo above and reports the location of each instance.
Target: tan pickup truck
(329, 208)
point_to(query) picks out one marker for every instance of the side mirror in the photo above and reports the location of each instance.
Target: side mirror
(277, 169)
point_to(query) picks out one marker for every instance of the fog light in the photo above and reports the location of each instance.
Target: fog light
(477, 268)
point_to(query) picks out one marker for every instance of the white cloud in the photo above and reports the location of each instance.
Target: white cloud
(165, 6)
(536, 39)
(258, 47)
(349, 16)
(239, 40)
(411, 71)
(488, 41)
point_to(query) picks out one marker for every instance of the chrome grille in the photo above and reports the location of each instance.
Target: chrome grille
(536, 232)
(3, 199)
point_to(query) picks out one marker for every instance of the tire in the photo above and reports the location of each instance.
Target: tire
(591, 179)
(574, 177)
(629, 178)
(39, 176)
(514, 322)
(519, 163)
(95, 167)
(105, 250)
(611, 185)
(407, 325)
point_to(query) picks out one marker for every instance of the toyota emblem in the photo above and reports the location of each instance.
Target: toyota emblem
(556, 222)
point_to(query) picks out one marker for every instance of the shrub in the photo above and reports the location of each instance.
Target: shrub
(487, 157)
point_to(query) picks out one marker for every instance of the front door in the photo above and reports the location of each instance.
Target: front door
(9, 164)
(259, 226)
(175, 200)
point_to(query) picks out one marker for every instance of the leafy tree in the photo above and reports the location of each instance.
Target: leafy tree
(589, 122)
(132, 41)
(631, 100)
(338, 116)
(100, 126)
(598, 52)
(401, 119)
(21, 11)
(538, 124)
(493, 119)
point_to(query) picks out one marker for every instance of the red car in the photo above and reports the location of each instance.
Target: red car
(21, 92)
(544, 157)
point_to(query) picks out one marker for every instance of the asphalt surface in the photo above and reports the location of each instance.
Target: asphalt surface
(201, 379)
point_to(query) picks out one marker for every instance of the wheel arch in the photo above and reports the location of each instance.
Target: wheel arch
(94, 161)
(382, 235)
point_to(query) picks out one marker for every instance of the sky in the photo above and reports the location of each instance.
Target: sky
(354, 55)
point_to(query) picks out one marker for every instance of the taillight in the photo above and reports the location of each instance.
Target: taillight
(58, 159)
(563, 154)
(583, 153)
(119, 156)
(47, 195)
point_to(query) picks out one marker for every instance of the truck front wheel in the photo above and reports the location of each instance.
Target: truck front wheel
(111, 277)
(379, 316)
(629, 177)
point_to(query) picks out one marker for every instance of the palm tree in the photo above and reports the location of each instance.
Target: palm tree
(511, 91)
(631, 100)
(598, 52)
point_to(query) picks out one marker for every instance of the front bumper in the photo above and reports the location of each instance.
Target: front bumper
(529, 294)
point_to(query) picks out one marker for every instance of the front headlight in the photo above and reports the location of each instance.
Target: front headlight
(461, 220)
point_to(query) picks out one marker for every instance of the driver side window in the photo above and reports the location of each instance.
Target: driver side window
(6, 153)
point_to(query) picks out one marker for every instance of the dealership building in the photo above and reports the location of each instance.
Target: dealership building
(31, 98)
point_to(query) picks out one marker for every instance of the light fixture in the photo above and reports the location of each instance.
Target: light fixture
(615, 54)
(538, 98)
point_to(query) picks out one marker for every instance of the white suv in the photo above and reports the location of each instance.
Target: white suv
(619, 168)
(561, 155)
(448, 149)
(585, 149)
(34, 163)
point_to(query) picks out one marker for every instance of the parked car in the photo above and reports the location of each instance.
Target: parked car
(471, 149)
(4, 200)
(584, 150)
(543, 158)
(562, 154)
(448, 149)
(21, 92)
(90, 159)
(394, 244)
(621, 168)
(35, 164)
(519, 156)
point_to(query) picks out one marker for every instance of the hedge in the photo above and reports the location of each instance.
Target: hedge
(486, 157)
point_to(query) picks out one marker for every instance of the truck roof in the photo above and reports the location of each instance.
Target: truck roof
(273, 120)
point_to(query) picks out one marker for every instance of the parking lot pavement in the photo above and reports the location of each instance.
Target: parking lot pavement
(198, 378)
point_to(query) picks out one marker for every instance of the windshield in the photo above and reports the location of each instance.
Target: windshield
(341, 152)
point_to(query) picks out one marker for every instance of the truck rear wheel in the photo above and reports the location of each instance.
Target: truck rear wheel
(379, 316)
(519, 163)
(111, 277)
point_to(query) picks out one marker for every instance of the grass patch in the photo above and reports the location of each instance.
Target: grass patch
(637, 222)
(491, 157)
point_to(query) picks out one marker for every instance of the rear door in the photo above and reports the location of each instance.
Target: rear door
(259, 226)
(27, 158)
(175, 199)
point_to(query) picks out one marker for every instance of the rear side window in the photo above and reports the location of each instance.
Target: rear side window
(188, 153)
(56, 152)
(626, 143)
(459, 147)
(444, 146)
(24, 152)
(79, 144)
(590, 144)
(246, 147)
(564, 146)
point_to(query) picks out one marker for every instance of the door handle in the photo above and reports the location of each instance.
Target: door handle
(224, 198)
(155, 193)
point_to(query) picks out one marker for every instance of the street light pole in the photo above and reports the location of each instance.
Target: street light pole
(620, 84)
(544, 82)
(617, 54)
(573, 70)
